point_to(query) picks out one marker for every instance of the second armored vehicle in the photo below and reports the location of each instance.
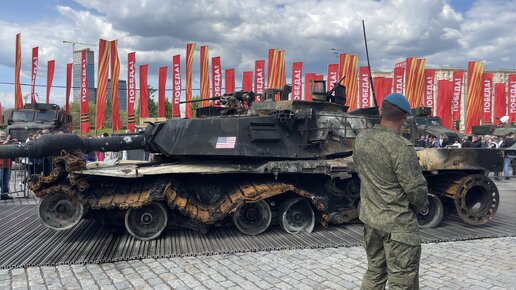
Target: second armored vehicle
(37, 117)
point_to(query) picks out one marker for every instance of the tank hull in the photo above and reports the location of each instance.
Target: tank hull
(199, 194)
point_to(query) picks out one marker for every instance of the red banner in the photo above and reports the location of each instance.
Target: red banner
(50, 77)
(102, 82)
(297, 81)
(444, 102)
(399, 80)
(333, 75)
(176, 85)
(247, 81)
(348, 68)
(487, 101)
(205, 79)
(69, 69)
(511, 110)
(131, 91)
(115, 74)
(18, 100)
(429, 89)
(458, 79)
(34, 74)
(401, 64)
(162, 79)
(382, 87)
(190, 49)
(365, 88)
(144, 91)
(230, 81)
(308, 92)
(259, 78)
(474, 99)
(216, 76)
(85, 115)
(500, 103)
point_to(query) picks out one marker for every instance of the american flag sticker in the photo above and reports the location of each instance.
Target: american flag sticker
(225, 143)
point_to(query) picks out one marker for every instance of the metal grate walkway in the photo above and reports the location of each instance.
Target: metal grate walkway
(25, 242)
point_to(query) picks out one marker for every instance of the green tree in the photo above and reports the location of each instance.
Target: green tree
(168, 109)
(153, 106)
(75, 111)
(195, 106)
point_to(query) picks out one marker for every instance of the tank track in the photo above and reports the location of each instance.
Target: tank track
(94, 195)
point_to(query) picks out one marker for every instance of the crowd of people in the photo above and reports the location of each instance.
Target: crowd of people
(104, 156)
(38, 165)
(471, 141)
(41, 165)
(474, 141)
(32, 165)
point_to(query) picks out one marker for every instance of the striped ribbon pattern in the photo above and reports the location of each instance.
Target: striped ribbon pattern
(474, 95)
(348, 68)
(190, 49)
(415, 80)
(102, 81)
(205, 80)
(115, 74)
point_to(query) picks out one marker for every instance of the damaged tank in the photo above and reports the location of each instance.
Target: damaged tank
(244, 163)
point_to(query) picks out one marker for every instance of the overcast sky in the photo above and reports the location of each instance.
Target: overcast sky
(446, 32)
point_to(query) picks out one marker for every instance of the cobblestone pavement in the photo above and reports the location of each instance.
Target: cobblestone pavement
(475, 264)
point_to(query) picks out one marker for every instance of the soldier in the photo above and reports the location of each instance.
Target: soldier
(393, 191)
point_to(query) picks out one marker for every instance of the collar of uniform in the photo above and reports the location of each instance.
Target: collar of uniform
(383, 128)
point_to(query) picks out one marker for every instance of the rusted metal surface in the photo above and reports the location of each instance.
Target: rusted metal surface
(135, 195)
(63, 164)
(474, 198)
(433, 159)
(140, 169)
(240, 193)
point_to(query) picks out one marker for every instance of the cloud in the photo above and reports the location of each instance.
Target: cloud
(307, 29)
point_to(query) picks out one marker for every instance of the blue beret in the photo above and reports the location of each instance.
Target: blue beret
(399, 101)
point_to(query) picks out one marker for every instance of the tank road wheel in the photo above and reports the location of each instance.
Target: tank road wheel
(252, 218)
(146, 223)
(296, 215)
(353, 188)
(477, 199)
(60, 211)
(435, 213)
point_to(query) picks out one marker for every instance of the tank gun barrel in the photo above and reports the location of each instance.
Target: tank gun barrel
(51, 145)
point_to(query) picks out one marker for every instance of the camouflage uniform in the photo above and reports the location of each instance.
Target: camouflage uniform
(392, 190)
